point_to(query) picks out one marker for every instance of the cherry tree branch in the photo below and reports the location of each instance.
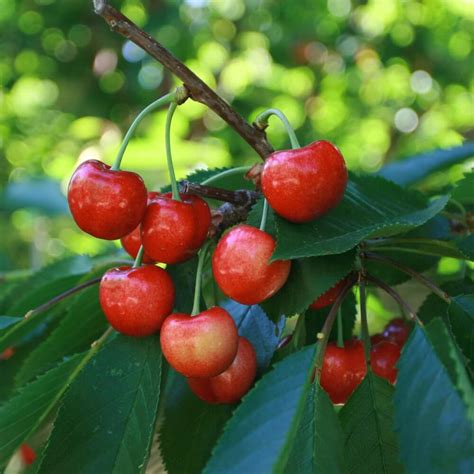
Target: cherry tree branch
(197, 89)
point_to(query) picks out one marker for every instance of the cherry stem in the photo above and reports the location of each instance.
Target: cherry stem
(263, 221)
(396, 296)
(261, 122)
(166, 99)
(417, 276)
(340, 335)
(323, 336)
(138, 260)
(169, 158)
(62, 296)
(364, 327)
(197, 286)
(241, 197)
(229, 172)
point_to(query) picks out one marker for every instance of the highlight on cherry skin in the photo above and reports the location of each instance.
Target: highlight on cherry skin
(203, 345)
(241, 265)
(304, 183)
(105, 203)
(173, 231)
(136, 301)
(232, 384)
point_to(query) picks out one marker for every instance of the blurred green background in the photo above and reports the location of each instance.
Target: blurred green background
(381, 79)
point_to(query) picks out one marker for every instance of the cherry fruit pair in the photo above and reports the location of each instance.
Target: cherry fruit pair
(114, 204)
(219, 365)
(344, 367)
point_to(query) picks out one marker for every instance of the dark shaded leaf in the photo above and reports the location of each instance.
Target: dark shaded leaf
(461, 320)
(431, 419)
(370, 443)
(112, 405)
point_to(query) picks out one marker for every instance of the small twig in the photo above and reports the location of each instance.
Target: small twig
(241, 197)
(197, 89)
(62, 296)
(323, 336)
(396, 296)
(417, 276)
(226, 216)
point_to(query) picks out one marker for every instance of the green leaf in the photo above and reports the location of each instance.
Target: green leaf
(461, 320)
(443, 344)
(318, 445)
(6, 321)
(184, 277)
(370, 442)
(414, 169)
(255, 216)
(254, 325)
(308, 279)
(22, 414)
(431, 419)
(259, 437)
(107, 418)
(83, 323)
(371, 207)
(466, 246)
(315, 320)
(190, 428)
(329, 452)
(463, 189)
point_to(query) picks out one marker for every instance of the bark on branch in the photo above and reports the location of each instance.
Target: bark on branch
(197, 89)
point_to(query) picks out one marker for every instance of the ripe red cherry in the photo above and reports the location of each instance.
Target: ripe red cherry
(376, 338)
(232, 384)
(397, 330)
(173, 231)
(383, 357)
(305, 183)
(104, 203)
(27, 454)
(132, 242)
(200, 346)
(343, 369)
(136, 301)
(241, 267)
(329, 297)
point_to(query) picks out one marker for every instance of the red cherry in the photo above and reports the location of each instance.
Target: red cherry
(376, 338)
(383, 357)
(305, 183)
(200, 346)
(27, 454)
(7, 353)
(232, 384)
(343, 369)
(104, 203)
(132, 242)
(136, 301)
(173, 231)
(241, 267)
(329, 297)
(397, 330)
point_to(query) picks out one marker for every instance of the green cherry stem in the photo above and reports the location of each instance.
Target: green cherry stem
(262, 121)
(340, 335)
(223, 174)
(364, 327)
(138, 260)
(263, 221)
(323, 336)
(169, 157)
(166, 99)
(197, 286)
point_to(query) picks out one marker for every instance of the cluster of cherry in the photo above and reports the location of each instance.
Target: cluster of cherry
(108, 203)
